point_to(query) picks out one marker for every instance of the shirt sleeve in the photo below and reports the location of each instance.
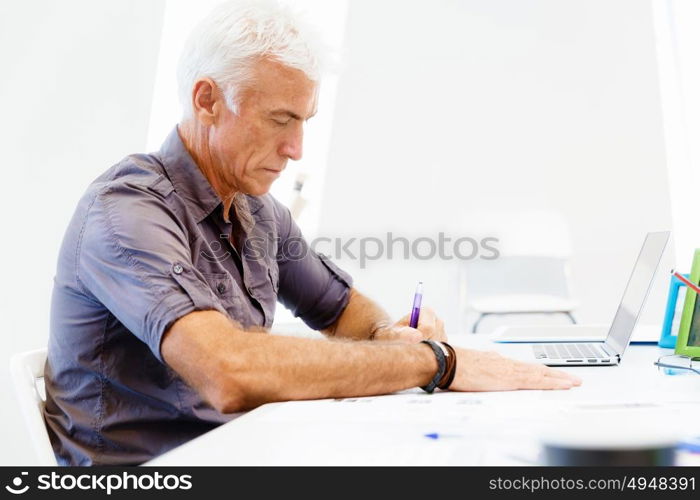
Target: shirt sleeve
(134, 258)
(311, 285)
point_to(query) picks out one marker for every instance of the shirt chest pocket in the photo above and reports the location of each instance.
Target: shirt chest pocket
(225, 288)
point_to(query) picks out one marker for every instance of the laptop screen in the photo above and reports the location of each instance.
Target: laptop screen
(636, 291)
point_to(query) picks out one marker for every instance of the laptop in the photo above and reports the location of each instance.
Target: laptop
(610, 351)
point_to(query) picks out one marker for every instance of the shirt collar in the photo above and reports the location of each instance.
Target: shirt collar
(189, 181)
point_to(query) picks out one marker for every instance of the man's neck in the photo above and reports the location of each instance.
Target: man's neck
(195, 140)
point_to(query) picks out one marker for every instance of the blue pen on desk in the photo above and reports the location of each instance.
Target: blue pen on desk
(440, 435)
(417, 299)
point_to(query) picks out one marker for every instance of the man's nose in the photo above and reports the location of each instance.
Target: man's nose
(292, 147)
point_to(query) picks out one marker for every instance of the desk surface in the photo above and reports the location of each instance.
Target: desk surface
(498, 428)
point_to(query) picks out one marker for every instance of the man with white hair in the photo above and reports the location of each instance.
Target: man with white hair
(172, 264)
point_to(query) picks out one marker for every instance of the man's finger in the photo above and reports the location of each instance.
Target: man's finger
(546, 371)
(404, 321)
(550, 379)
(538, 381)
(549, 383)
(400, 333)
(408, 334)
(563, 375)
(427, 321)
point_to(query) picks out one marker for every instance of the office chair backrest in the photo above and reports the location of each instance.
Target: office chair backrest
(27, 370)
(526, 274)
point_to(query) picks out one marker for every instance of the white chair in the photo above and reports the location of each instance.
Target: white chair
(27, 370)
(530, 276)
(520, 285)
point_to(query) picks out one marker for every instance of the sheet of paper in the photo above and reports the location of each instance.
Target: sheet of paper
(454, 428)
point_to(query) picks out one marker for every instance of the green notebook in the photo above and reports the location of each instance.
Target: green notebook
(688, 343)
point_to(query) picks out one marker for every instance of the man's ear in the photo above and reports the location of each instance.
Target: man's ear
(207, 101)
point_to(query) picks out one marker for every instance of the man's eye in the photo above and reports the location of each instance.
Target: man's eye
(280, 122)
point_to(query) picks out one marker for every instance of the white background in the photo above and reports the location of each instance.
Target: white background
(500, 104)
(438, 110)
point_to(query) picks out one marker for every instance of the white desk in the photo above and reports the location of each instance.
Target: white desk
(479, 428)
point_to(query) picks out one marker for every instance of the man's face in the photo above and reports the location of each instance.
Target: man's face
(251, 149)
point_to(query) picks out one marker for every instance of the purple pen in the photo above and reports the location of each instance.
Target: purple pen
(417, 299)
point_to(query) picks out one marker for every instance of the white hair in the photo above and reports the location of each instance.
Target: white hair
(227, 42)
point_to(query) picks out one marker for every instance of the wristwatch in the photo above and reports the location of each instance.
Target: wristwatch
(440, 356)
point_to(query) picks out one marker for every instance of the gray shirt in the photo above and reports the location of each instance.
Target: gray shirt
(148, 244)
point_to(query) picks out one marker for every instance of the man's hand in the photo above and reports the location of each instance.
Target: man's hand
(489, 371)
(429, 327)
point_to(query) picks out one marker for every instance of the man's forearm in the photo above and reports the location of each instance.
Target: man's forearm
(236, 370)
(360, 319)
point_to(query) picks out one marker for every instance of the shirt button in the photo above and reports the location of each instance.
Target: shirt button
(177, 269)
(221, 288)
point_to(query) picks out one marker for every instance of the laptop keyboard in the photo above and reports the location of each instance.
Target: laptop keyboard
(568, 351)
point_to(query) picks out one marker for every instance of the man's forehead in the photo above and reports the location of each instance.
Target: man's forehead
(280, 89)
(301, 105)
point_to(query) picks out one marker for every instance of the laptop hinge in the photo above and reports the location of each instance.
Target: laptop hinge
(608, 350)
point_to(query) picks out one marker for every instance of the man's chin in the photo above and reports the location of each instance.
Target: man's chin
(258, 190)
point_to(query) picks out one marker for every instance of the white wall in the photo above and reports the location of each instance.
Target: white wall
(451, 106)
(678, 47)
(75, 92)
